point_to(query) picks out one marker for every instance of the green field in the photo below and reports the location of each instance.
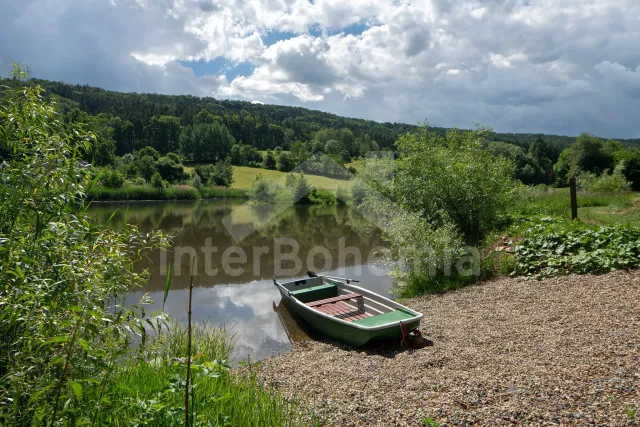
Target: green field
(610, 215)
(243, 178)
(358, 164)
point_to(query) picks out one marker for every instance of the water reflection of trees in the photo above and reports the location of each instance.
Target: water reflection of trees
(191, 223)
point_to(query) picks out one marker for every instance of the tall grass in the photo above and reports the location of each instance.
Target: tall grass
(154, 389)
(546, 201)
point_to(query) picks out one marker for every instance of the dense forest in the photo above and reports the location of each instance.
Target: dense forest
(208, 130)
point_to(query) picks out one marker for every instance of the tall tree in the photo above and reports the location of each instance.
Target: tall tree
(206, 142)
(163, 133)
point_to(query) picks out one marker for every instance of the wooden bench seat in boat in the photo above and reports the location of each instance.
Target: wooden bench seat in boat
(315, 293)
(335, 307)
(344, 297)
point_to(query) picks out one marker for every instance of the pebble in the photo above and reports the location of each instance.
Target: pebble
(561, 351)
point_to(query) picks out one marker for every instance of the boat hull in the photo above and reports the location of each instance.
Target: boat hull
(346, 333)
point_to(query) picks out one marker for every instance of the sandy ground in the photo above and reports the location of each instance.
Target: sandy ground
(563, 351)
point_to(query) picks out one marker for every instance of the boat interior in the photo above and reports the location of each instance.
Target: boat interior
(342, 301)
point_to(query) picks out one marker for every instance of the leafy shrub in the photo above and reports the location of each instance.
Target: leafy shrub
(299, 187)
(269, 191)
(245, 155)
(427, 255)
(146, 166)
(176, 158)
(285, 162)
(605, 183)
(453, 179)
(63, 327)
(205, 172)
(322, 197)
(112, 179)
(551, 247)
(220, 173)
(223, 174)
(169, 170)
(439, 194)
(147, 151)
(269, 161)
(157, 182)
(197, 182)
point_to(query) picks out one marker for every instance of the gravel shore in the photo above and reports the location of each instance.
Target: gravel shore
(562, 351)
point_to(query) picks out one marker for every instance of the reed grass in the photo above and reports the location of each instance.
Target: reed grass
(175, 192)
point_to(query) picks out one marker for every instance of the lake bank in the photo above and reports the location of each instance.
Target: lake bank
(173, 192)
(562, 350)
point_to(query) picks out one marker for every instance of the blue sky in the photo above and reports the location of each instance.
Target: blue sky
(231, 69)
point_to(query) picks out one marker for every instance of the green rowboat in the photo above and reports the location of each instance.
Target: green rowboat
(347, 313)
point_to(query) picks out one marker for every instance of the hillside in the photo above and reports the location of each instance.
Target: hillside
(263, 126)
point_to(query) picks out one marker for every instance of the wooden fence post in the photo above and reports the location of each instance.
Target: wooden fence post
(574, 198)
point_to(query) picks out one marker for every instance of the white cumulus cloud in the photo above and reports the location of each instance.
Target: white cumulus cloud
(561, 66)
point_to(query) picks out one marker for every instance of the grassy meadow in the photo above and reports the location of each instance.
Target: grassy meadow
(244, 176)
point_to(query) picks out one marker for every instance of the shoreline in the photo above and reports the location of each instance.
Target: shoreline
(563, 350)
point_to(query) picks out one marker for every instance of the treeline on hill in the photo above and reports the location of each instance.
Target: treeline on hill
(240, 133)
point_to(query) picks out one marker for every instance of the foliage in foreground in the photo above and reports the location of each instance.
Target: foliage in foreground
(61, 276)
(551, 247)
(151, 392)
(72, 353)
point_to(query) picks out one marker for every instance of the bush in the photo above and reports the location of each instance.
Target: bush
(605, 183)
(112, 179)
(285, 162)
(453, 180)
(268, 191)
(169, 170)
(223, 174)
(157, 182)
(322, 197)
(299, 187)
(269, 161)
(205, 172)
(62, 277)
(438, 195)
(146, 166)
(174, 157)
(147, 151)
(197, 182)
(220, 173)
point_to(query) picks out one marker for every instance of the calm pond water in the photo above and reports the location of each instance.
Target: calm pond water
(233, 280)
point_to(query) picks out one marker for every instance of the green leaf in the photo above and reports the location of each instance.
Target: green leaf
(167, 285)
(40, 392)
(54, 340)
(77, 389)
(84, 343)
